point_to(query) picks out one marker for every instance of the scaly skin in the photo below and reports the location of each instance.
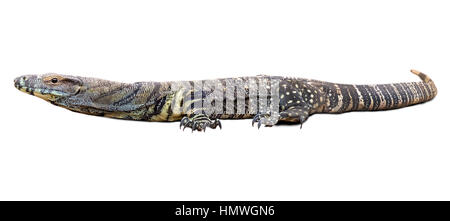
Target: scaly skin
(297, 98)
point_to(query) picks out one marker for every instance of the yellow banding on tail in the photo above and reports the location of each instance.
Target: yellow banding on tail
(427, 80)
(422, 76)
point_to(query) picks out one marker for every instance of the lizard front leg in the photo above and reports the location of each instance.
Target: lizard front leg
(196, 116)
(199, 122)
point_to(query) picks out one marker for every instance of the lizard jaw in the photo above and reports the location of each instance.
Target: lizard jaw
(27, 84)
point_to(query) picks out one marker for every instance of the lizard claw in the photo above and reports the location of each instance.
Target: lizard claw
(256, 118)
(219, 124)
(183, 122)
(194, 125)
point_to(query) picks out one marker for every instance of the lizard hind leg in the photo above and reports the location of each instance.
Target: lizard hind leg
(267, 120)
(295, 114)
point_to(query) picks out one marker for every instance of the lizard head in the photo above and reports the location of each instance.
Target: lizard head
(50, 87)
(79, 94)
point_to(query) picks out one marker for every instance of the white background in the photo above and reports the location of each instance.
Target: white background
(49, 153)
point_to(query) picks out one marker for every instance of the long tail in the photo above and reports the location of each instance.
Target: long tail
(345, 97)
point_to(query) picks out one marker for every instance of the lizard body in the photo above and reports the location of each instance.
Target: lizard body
(200, 104)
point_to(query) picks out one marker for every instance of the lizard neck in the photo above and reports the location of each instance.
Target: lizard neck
(117, 100)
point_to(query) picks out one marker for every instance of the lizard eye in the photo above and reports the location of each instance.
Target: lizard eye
(54, 80)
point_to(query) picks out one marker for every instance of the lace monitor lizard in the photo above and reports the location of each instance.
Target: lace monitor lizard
(287, 99)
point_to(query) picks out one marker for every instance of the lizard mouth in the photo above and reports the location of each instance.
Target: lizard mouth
(25, 84)
(21, 84)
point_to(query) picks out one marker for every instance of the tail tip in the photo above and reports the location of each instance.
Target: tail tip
(422, 76)
(416, 72)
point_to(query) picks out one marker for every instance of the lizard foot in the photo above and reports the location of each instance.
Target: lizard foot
(265, 119)
(199, 122)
